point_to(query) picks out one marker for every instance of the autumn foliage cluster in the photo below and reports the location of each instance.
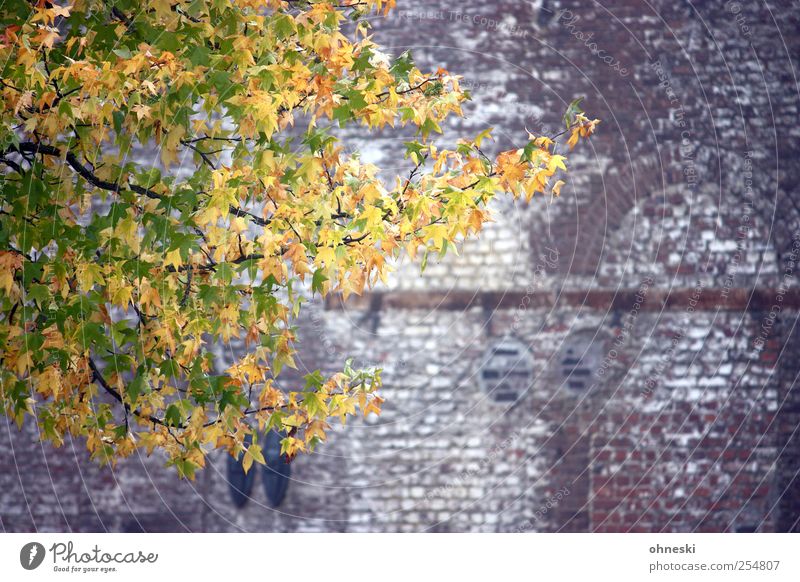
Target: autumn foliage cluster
(118, 277)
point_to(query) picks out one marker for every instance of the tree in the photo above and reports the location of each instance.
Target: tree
(117, 279)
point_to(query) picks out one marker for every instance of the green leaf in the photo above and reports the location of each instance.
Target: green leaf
(39, 293)
(137, 387)
(429, 126)
(284, 26)
(123, 53)
(361, 62)
(414, 148)
(433, 89)
(224, 273)
(198, 56)
(356, 100)
(231, 398)
(402, 66)
(173, 416)
(314, 380)
(342, 114)
(573, 110)
(170, 369)
(317, 282)
(527, 151)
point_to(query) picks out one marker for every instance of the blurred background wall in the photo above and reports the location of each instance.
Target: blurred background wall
(623, 358)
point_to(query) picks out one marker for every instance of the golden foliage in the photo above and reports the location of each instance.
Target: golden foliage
(117, 278)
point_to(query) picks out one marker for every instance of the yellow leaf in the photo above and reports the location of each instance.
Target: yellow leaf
(49, 381)
(544, 142)
(573, 138)
(122, 296)
(24, 362)
(247, 461)
(556, 162)
(173, 259)
(6, 281)
(47, 36)
(88, 275)
(61, 10)
(253, 454)
(374, 405)
(148, 295)
(142, 111)
(326, 255)
(483, 135)
(316, 428)
(476, 218)
(127, 230)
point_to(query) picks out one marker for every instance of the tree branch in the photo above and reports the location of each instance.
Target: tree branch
(97, 376)
(94, 180)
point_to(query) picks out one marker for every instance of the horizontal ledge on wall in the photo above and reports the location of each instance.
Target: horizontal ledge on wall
(647, 299)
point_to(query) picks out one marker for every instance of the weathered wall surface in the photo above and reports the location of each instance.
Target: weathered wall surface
(674, 431)
(677, 409)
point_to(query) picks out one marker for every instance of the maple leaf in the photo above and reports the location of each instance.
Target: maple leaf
(142, 111)
(325, 255)
(61, 10)
(122, 296)
(47, 36)
(556, 163)
(573, 138)
(373, 405)
(316, 429)
(173, 259)
(252, 454)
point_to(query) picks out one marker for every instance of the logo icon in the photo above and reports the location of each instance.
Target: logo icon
(31, 555)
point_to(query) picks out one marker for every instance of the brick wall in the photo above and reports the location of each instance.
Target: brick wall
(682, 203)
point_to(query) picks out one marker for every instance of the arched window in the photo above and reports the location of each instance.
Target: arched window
(581, 355)
(506, 371)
